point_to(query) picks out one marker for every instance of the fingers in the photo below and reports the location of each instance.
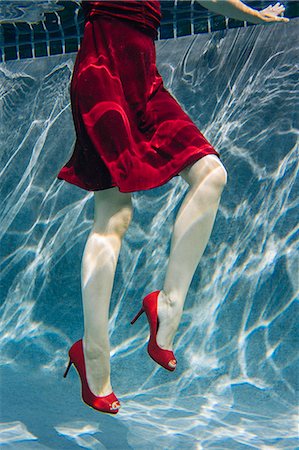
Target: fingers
(271, 18)
(282, 19)
(277, 8)
(274, 13)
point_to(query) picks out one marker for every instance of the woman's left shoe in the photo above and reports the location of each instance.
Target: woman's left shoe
(161, 356)
(106, 404)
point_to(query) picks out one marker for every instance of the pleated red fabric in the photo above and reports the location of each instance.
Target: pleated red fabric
(131, 132)
(144, 14)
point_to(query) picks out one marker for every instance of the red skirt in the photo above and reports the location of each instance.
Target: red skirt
(131, 132)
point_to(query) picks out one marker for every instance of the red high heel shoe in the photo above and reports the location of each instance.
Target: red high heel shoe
(107, 404)
(163, 357)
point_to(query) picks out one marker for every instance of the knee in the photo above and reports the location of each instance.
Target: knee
(219, 177)
(209, 174)
(113, 213)
(119, 222)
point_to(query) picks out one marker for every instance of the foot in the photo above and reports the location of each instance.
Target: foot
(168, 322)
(97, 365)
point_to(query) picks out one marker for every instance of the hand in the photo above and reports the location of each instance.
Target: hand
(273, 13)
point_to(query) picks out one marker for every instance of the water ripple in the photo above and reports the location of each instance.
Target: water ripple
(235, 385)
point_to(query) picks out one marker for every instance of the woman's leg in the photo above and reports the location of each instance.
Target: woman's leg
(112, 216)
(192, 229)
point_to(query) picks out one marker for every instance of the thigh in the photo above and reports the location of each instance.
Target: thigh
(174, 135)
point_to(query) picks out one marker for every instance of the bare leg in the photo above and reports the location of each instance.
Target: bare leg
(192, 230)
(112, 216)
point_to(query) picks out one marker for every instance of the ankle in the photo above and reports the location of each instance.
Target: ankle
(94, 350)
(97, 366)
(169, 302)
(106, 389)
(169, 314)
(99, 388)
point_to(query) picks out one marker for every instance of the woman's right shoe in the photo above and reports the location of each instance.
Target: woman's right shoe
(107, 404)
(161, 356)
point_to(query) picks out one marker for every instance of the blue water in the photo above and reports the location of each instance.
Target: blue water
(236, 384)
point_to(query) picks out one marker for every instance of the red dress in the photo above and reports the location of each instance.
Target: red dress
(131, 132)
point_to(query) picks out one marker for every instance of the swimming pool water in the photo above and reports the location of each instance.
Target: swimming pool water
(236, 383)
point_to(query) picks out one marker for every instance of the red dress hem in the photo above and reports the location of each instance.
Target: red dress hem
(69, 176)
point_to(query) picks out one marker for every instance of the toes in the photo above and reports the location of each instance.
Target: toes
(114, 406)
(172, 363)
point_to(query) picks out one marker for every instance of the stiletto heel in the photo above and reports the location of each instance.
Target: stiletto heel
(161, 356)
(137, 315)
(68, 368)
(106, 404)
